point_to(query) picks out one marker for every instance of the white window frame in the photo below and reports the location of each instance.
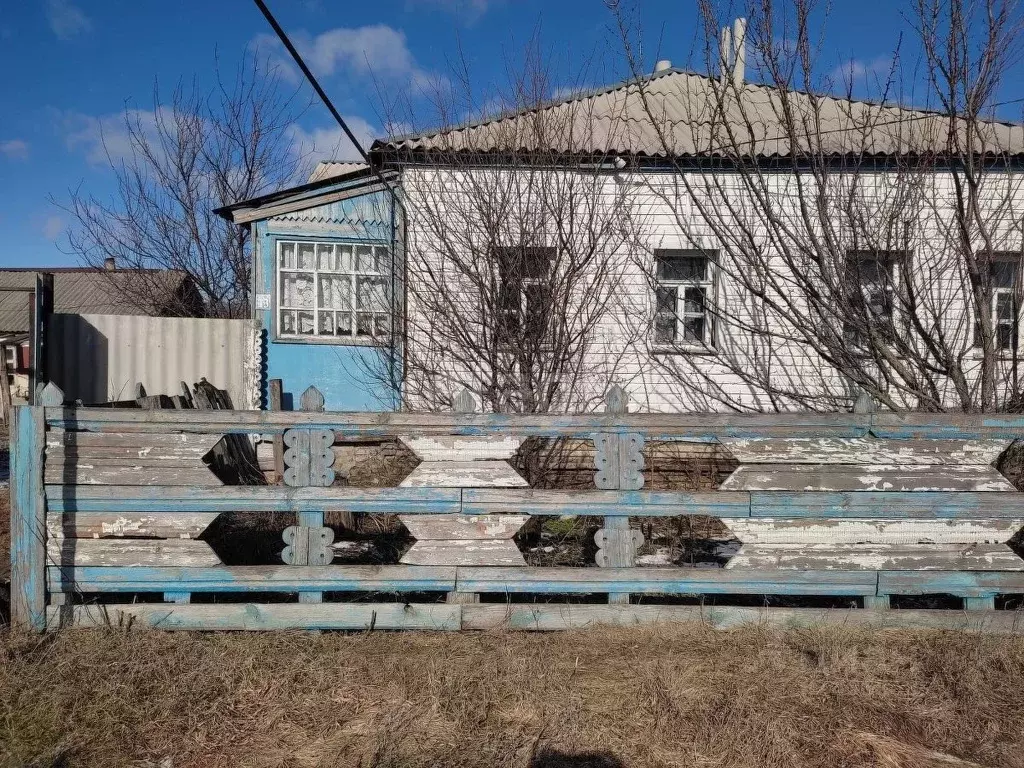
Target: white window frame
(681, 315)
(379, 321)
(1012, 292)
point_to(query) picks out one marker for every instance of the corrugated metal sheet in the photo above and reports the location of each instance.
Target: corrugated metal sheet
(330, 169)
(682, 120)
(98, 358)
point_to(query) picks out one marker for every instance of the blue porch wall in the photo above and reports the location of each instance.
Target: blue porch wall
(342, 372)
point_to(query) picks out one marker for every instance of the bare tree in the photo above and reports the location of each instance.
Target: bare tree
(516, 253)
(858, 246)
(187, 157)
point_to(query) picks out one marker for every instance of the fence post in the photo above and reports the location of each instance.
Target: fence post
(619, 461)
(28, 518)
(309, 458)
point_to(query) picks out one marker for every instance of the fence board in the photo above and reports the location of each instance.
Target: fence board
(885, 504)
(874, 531)
(964, 584)
(858, 450)
(131, 552)
(90, 525)
(28, 519)
(924, 557)
(556, 617)
(641, 503)
(253, 616)
(254, 578)
(865, 477)
(665, 581)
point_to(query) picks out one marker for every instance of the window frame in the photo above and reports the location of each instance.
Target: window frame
(1012, 291)
(276, 306)
(709, 344)
(896, 258)
(524, 283)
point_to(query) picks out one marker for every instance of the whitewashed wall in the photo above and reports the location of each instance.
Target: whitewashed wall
(667, 215)
(100, 358)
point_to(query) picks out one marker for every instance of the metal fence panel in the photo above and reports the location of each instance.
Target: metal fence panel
(99, 358)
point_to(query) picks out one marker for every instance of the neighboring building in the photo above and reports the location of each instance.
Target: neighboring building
(332, 256)
(30, 294)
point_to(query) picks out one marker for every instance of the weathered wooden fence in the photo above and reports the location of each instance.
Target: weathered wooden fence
(108, 506)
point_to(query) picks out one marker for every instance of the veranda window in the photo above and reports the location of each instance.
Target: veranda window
(328, 290)
(871, 295)
(684, 291)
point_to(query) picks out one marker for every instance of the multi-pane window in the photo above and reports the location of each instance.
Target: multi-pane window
(683, 294)
(1002, 276)
(870, 291)
(524, 290)
(332, 290)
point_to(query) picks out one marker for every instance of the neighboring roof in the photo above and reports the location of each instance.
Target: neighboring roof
(615, 120)
(332, 170)
(87, 291)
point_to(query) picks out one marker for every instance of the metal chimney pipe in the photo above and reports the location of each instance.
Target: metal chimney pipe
(725, 51)
(739, 41)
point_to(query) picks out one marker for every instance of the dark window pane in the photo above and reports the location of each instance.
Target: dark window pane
(693, 301)
(682, 266)
(1004, 307)
(693, 329)
(1005, 336)
(1003, 273)
(666, 299)
(538, 301)
(664, 329)
(523, 262)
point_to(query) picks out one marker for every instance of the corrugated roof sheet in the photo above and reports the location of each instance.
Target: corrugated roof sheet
(85, 291)
(328, 170)
(681, 119)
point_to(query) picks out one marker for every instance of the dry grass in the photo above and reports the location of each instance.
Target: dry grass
(667, 696)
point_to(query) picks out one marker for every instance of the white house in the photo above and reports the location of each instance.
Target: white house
(704, 242)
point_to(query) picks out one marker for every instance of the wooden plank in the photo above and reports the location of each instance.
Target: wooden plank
(82, 473)
(555, 617)
(850, 531)
(5, 386)
(643, 503)
(497, 552)
(957, 426)
(884, 504)
(655, 426)
(665, 581)
(455, 448)
(254, 616)
(425, 527)
(875, 477)
(58, 457)
(864, 450)
(28, 519)
(133, 444)
(965, 584)
(275, 404)
(98, 525)
(254, 578)
(464, 474)
(186, 553)
(924, 557)
(110, 499)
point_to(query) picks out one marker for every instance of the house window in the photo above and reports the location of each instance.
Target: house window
(870, 290)
(1002, 276)
(332, 290)
(524, 290)
(684, 291)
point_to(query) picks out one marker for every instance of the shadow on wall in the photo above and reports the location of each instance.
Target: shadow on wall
(78, 360)
(551, 758)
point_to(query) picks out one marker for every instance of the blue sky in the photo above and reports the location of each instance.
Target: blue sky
(72, 66)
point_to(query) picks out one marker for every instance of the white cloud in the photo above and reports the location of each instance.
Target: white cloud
(14, 149)
(104, 138)
(372, 51)
(323, 144)
(66, 20)
(53, 227)
(860, 72)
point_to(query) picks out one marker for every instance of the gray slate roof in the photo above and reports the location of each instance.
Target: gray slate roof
(615, 120)
(85, 291)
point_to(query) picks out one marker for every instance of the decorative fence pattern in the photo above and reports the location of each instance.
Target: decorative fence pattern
(107, 506)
